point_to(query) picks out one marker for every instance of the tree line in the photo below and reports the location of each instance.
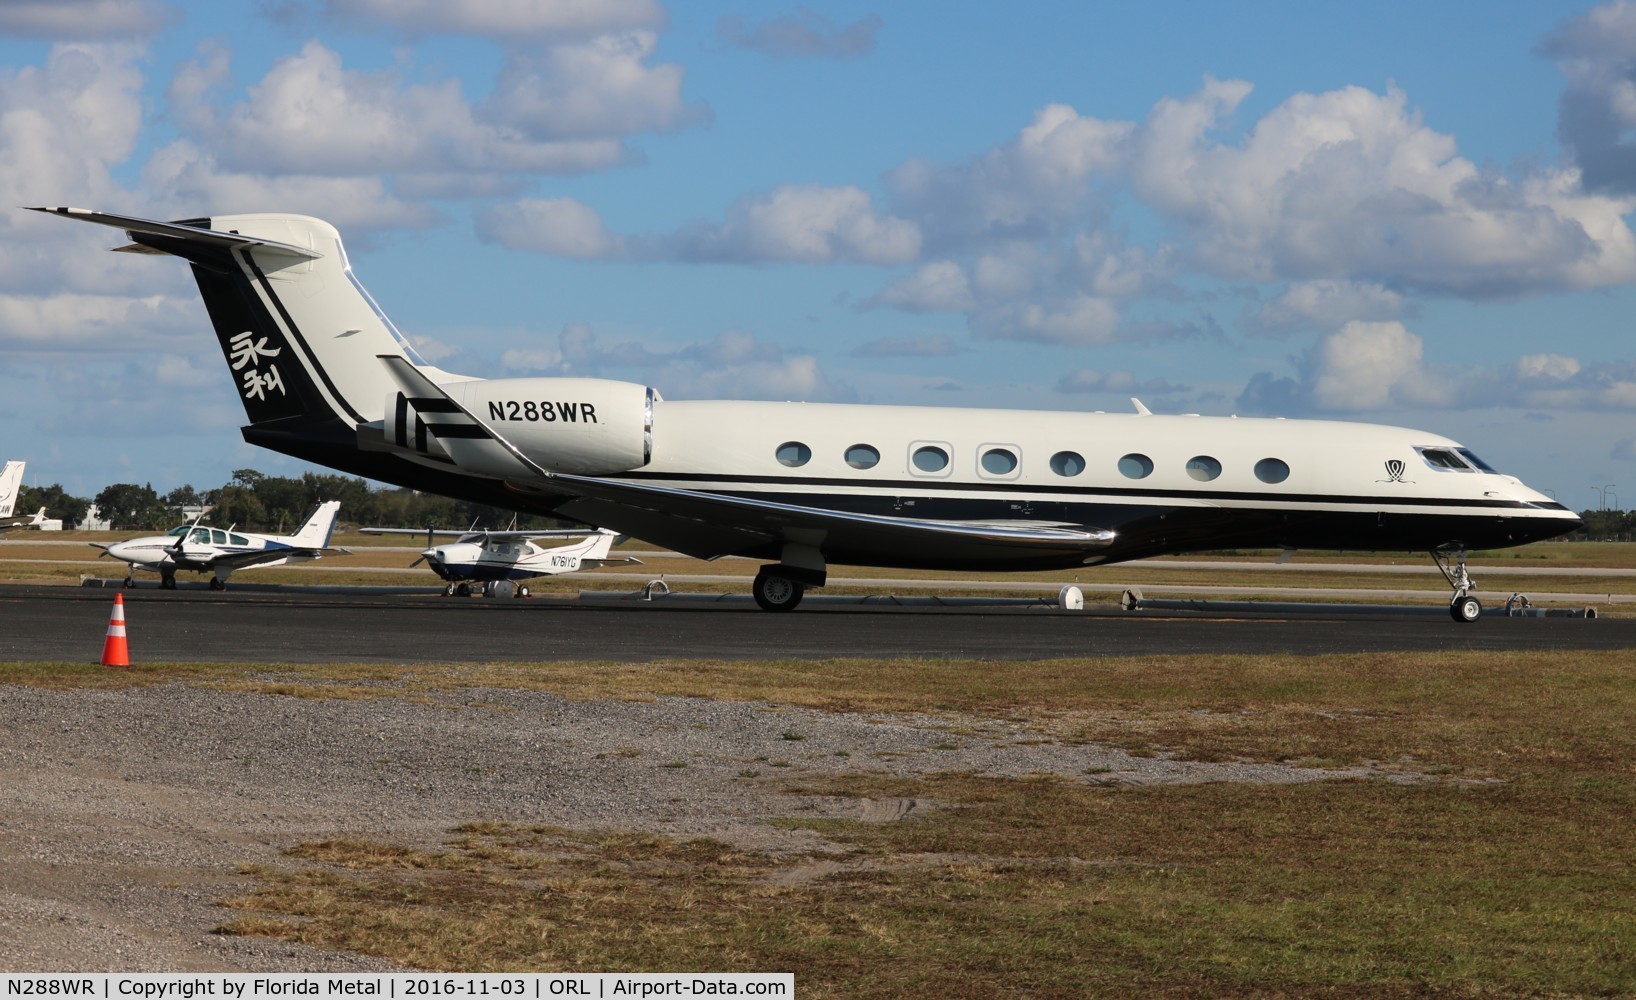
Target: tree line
(1606, 526)
(252, 501)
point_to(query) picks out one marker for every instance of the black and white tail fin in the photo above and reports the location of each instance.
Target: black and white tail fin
(299, 333)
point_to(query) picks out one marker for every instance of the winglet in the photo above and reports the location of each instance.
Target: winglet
(1140, 409)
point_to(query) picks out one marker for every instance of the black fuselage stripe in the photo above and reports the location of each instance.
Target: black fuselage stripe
(295, 334)
(725, 484)
(471, 431)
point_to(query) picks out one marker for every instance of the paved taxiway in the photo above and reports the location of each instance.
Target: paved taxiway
(305, 625)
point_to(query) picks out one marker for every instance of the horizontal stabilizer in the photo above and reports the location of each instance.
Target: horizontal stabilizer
(185, 231)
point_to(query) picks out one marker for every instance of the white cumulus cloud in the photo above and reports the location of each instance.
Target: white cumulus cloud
(800, 222)
(559, 226)
(502, 20)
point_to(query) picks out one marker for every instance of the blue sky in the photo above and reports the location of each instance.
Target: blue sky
(1401, 213)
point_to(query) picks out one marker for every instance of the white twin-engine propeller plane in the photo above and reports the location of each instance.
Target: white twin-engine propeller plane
(199, 549)
(11, 483)
(324, 376)
(493, 557)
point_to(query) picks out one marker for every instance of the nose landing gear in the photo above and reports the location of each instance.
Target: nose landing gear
(1462, 607)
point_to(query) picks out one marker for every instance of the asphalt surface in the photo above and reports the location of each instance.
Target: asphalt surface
(315, 625)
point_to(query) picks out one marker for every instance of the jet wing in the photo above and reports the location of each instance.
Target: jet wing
(758, 521)
(709, 525)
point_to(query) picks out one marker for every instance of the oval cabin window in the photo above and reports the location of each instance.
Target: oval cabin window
(1271, 470)
(1136, 466)
(794, 454)
(862, 456)
(1203, 468)
(930, 459)
(999, 461)
(1067, 463)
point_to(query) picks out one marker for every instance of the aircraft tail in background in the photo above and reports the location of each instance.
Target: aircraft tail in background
(11, 483)
(315, 534)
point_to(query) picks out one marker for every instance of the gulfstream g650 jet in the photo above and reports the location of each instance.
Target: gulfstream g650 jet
(324, 376)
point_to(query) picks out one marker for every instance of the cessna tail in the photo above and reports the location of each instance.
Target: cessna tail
(325, 377)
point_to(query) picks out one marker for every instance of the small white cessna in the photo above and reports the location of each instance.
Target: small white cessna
(491, 557)
(11, 483)
(199, 549)
(324, 376)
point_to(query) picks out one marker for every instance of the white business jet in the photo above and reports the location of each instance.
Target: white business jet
(11, 484)
(324, 376)
(492, 557)
(198, 549)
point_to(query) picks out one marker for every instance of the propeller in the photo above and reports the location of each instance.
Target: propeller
(431, 530)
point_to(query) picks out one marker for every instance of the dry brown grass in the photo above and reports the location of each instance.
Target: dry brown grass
(1501, 869)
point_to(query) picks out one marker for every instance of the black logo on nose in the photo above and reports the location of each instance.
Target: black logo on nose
(1394, 472)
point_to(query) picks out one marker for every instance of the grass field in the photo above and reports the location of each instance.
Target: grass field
(1492, 857)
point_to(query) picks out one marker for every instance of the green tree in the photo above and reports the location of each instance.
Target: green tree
(57, 503)
(128, 506)
(183, 496)
(285, 503)
(237, 506)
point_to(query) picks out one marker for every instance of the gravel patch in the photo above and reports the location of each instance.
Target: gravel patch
(125, 814)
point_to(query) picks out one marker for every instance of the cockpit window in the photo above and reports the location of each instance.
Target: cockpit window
(1443, 458)
(1467, 454)
(179, 531)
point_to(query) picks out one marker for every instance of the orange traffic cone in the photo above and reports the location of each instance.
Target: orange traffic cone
(114, 651)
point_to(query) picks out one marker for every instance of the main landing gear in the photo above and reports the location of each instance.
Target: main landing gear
(780, 587)
(1462, 607)
(775, 592)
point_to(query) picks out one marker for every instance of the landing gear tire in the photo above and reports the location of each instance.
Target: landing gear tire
(1462, 607)
(464, 590)
(167, 582)
(129, 583)
(777, 593)
(216, 584)
(521, 591)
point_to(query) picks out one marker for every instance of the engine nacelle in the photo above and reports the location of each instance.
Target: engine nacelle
(583, 426)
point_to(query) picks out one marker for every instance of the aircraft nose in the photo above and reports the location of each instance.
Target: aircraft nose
(434, 559)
